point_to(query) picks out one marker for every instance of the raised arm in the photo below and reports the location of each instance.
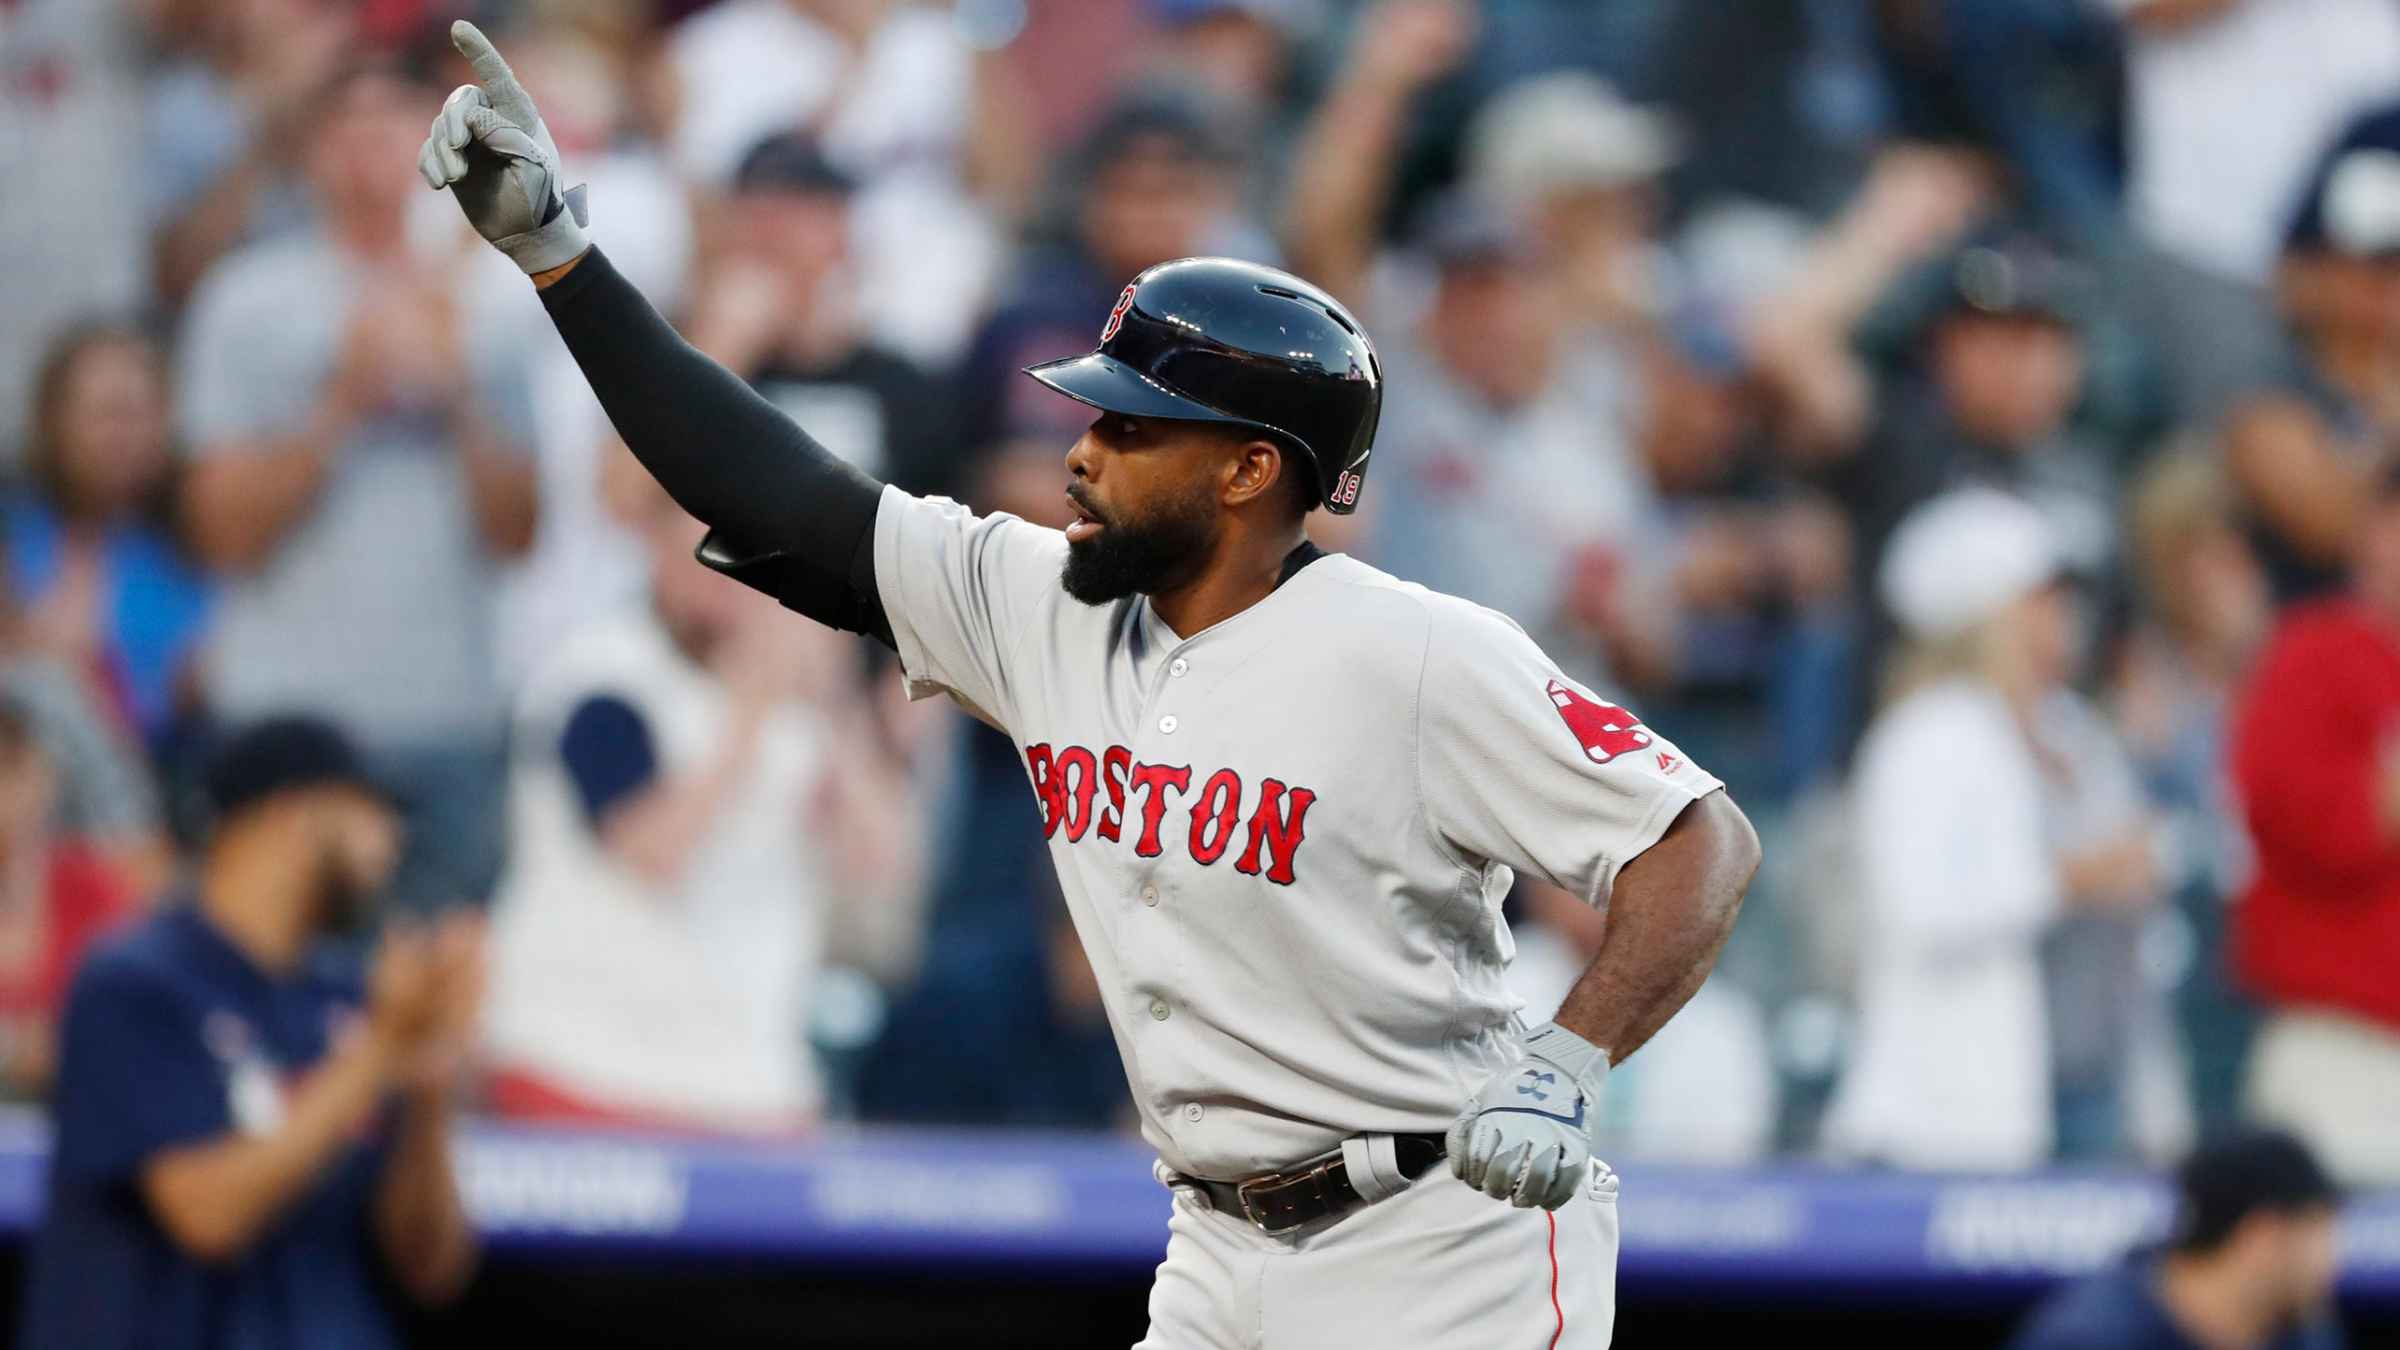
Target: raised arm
(785, 515)
(1351, 145)
(1914, 202)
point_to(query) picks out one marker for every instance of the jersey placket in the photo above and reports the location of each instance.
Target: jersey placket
(1150, 918)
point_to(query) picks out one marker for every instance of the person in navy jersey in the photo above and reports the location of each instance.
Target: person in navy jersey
(2250, 1265)
(253, 1133)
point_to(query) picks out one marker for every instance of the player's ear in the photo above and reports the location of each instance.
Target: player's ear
(1254, 470)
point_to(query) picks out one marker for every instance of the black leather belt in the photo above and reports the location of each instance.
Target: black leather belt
(1282, 1201)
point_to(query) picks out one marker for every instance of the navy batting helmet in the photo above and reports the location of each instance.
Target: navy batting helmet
(1218, 340)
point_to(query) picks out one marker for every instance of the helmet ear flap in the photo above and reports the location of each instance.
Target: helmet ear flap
(1301, 487)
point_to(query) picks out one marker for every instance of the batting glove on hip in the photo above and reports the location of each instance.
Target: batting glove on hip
(490, 149)
(1524, 1137)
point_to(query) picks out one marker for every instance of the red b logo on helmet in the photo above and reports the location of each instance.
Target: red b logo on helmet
(1116, 317)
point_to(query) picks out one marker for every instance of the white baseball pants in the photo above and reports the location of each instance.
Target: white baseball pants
(1437, 1267)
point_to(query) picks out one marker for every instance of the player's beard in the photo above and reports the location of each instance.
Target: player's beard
(1157, 553)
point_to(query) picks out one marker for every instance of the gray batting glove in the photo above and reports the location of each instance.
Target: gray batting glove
(1524, 1137)
(490, 149)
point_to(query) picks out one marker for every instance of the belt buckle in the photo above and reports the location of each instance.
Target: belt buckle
(1280, 1180)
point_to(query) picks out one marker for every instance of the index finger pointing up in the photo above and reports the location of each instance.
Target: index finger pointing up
(508, 97)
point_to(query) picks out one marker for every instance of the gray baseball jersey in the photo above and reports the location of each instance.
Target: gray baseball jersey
(1283, 840)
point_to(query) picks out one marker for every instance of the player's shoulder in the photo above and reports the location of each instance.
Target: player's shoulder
(997, 551)
(144, 958)
(1375, 593)
(1371, 603)
(957, 515)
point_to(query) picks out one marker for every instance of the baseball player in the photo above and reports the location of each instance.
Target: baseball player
(1285, 793)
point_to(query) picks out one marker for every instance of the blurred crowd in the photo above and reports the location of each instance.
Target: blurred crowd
(1969, 427)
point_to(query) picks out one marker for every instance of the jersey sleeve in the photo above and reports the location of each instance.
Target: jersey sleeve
(134, 1077)
(1519, 764)
(961, 590)
(609, 753)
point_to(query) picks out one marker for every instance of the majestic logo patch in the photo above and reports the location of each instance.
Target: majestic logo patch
(1116, 317)
(1604, 730)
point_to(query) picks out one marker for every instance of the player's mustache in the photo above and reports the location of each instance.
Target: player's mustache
(1083, 499)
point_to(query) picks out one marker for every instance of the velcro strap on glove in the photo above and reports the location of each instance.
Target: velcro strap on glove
(557, 241)
(1583, 1061)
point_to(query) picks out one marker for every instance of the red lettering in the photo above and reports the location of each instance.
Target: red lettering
(1045, 786)
(1076, 790)
(1281, 832)
(1155, 780)
(1212, 825)
(1116, 765)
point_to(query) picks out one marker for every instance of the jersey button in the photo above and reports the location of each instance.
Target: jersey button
(1158, 1010)
(1167, 724)
(1150, 896)
(1192, 1111)
(1179, 666)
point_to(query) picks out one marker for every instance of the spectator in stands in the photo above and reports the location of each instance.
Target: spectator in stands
(2209, 187)
(1349, 156)
(2249, 1266)
(357, 432)
(1240, 55)
(105, 794)
(93, 551)
(701, 808)
(1994, 404)
(1580, 165)
(1513, 471)
(71, 230)
(1959, 871)
(226, 121)
(1914, 203)
(2035, 84)
(1237, 50)
(1758, 573)
(57, 894)
(900, 101)
(2204, 612)
(2211, 184)
(1776, 99)
(1153, 181)
(1511, 447)
(2117, 1076)
(783, 311)
(2315, 755)
(254, 1136)
(2306, 451)
(1003, 1024)
(584, 562)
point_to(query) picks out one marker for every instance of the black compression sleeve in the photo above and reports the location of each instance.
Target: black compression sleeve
(784, 514)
